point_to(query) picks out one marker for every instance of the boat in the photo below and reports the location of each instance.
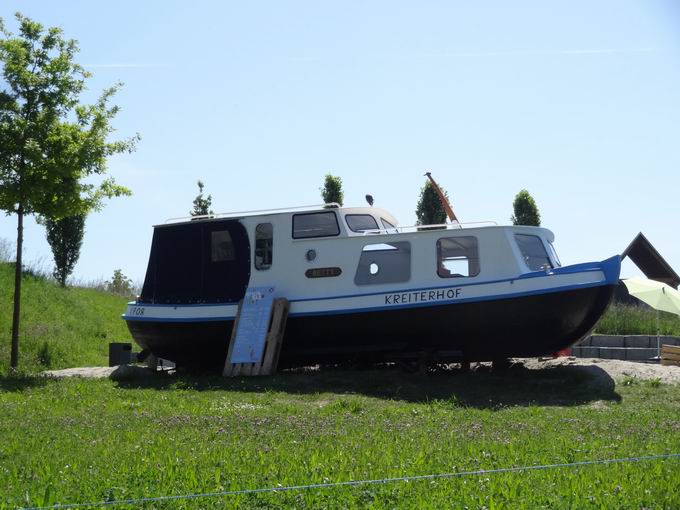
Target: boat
(363, 288)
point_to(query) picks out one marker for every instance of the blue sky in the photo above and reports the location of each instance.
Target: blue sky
(575, 101)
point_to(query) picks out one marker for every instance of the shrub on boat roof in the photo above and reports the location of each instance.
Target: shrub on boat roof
(201, 204)
(526, 210)
(430, 210)
(332, 190)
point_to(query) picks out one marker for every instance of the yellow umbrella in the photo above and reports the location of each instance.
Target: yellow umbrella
(656, 294)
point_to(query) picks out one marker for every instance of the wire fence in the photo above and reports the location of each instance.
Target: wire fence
(351, 483)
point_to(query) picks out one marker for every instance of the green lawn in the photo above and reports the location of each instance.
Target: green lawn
(74, 441)
(60, 328)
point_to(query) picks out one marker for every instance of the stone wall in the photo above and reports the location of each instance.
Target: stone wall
(624, 347)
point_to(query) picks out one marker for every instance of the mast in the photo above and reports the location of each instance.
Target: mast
(442, 198)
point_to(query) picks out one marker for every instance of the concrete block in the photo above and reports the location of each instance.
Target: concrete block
(640, 354)
(613, 353)
(607, 341)
(586, 342)
(641, 341)
(668, 340)
(588, 352)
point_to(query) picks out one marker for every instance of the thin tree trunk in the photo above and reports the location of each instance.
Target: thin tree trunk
(14, 363)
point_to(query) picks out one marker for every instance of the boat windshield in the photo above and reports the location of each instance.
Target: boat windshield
(361, 222)
(533, 252)
(553, 253)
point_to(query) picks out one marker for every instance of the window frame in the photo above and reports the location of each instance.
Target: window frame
(553, 253)
(292, 224)
(213, 247)
(377, 227)
(401, 247)
(440, 258)
(545, 251)
(271, 247)
(385, 224)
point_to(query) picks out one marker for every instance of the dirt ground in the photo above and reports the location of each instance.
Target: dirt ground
(615, 369)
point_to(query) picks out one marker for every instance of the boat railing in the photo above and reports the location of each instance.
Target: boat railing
(239, 214)
(421, 228)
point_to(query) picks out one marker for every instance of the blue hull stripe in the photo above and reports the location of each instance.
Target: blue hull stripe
(610, 267)
(383, 308)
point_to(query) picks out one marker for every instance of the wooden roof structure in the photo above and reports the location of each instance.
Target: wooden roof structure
(650, 262)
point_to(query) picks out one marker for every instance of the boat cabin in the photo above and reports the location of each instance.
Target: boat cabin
(329, 250)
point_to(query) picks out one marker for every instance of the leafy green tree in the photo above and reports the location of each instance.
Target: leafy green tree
(201, 204)
(65, 237)
(120, 284)
(50, 142)
(332, 190)
(429, 210)
(526, 210)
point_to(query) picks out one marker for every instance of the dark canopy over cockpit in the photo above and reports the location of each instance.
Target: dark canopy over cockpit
(203, 261)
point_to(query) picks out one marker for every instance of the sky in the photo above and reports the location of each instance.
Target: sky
(575, 101)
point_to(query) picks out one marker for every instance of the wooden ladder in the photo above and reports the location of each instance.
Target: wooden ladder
(272, 347)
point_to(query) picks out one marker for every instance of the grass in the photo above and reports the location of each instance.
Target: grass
(59, 327)
(623, 319)
(73, 441)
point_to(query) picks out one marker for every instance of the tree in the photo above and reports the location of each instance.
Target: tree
(49, 141)
(120, 284)
(430, 210)
(332, 190)
(201, 204)
(526, 210)
(65, 237)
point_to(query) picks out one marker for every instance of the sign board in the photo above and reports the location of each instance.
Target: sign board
(253, 323)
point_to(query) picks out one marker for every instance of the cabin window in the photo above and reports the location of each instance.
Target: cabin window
(264, 246)
(457, 257)
(384, 263)
(361, 222)
(556, 259)
(387, 224)
(533, 252)
(221, 246)
(322, 224)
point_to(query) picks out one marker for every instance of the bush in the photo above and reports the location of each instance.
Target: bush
(621, 319)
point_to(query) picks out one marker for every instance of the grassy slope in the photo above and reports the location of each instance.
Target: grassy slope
(77, 441)
(59, 327)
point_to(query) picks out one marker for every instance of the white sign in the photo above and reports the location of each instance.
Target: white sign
(253, 323)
